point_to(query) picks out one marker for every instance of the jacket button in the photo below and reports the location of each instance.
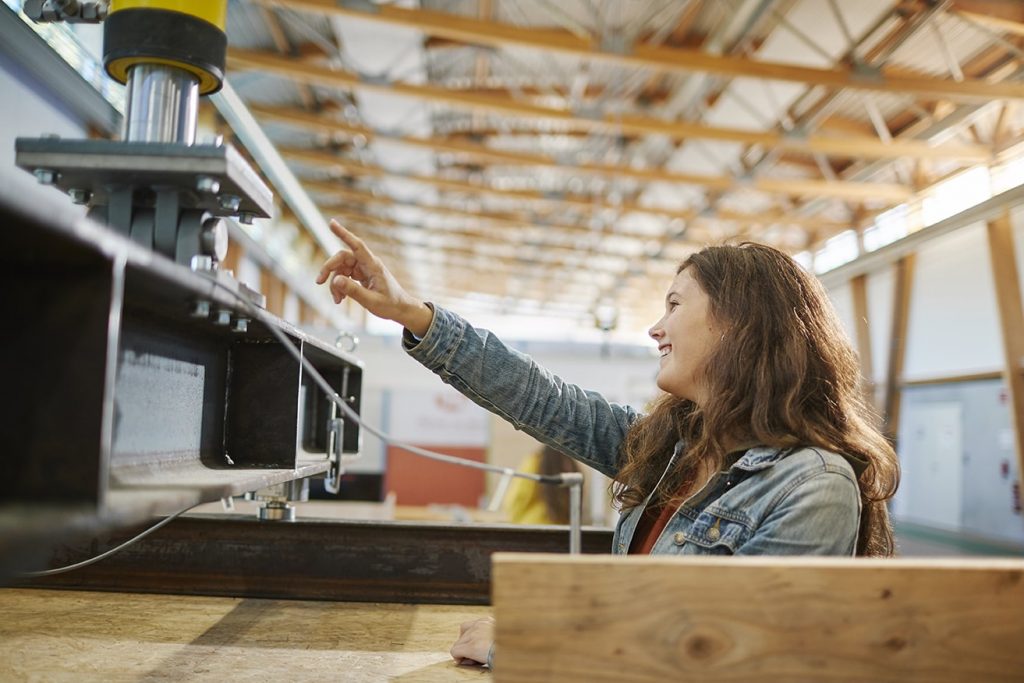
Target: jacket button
(714, 533)
(679, 538)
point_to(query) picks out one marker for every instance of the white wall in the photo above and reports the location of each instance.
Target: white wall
(953, 329)
(954, 323)
(26, 110)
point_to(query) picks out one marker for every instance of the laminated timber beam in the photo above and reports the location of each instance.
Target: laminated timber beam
(852, 147)
(888, 192)
(503, 250)
(873, 146)
(511, 221)
(902, 291)
(838, 189)
(1011, 323)
(576, 202)
(496, 35)
(761, 218)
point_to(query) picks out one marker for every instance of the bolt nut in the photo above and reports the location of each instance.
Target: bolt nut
(230, 202)
(200, 309)
(222, 317)
(240, 325)
(246, 217)
(201, 263)
(207, 185)
(80, 196)
(46, 176)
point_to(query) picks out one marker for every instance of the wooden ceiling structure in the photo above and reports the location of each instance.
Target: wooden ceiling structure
(556, 157)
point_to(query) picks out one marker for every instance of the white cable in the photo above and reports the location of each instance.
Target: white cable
(92, 560)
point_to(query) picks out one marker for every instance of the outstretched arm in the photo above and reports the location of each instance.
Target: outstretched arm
(580, 423)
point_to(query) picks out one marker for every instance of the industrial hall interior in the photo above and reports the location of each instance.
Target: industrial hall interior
(524, 340)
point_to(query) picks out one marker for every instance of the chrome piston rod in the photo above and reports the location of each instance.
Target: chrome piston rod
(163, 105)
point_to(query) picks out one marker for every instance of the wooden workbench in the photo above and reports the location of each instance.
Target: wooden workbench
(49, 635)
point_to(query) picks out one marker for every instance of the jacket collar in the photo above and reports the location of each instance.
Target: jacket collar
(762, 457)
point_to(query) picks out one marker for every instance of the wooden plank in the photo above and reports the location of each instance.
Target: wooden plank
(904, 269)
(855, 147)
(1011, 323)
(1015, 28)
(494, 34)
(862, 327)
(76, 635)
(952, 379)
(757, 619)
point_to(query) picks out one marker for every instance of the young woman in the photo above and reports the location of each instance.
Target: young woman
(760, 444)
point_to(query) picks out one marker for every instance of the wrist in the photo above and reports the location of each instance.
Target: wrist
(417, 318)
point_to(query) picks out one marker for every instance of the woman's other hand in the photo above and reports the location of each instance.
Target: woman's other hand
(475, 640)
(356, 272)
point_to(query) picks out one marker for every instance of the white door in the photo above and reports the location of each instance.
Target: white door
(931, 455)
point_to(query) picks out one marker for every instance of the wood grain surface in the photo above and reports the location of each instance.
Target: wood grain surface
(757, 619)
(48, 635)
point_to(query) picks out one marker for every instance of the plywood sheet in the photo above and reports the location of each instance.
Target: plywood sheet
(87, 636)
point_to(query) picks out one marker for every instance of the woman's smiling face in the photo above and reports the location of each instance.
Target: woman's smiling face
(686, 336)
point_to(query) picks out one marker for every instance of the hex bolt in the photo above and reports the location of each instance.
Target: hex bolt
(230, 202)
(201, 263)
(240, 325)
(200, 309)
(222, 317)
(207, 185)
(246, 217)
(46, 176)
(79, 195)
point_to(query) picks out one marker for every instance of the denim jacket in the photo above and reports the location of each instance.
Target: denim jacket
(769, 501)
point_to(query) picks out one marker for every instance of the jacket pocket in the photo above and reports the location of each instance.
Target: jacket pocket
(713, 533)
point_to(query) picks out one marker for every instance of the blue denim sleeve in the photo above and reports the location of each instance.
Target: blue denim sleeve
(817, 514)
(582, 424)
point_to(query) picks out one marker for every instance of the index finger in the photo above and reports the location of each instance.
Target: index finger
(357, 246)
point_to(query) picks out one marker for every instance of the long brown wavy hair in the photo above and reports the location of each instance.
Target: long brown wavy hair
(783, 375)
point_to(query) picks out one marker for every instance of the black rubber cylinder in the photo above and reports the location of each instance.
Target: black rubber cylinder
(140, 36)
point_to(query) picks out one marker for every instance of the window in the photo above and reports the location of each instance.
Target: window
(952, 196)
(837, 250)
(888, 227)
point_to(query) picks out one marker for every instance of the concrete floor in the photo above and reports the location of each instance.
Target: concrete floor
(917, 541)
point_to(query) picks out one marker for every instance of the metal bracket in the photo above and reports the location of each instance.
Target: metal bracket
(71, 11)
(616, 43)
(335, 438)
(863, 71)
(374, 79)
(360, 6)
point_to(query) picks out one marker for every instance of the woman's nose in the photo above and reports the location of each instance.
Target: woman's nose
(656, 332)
